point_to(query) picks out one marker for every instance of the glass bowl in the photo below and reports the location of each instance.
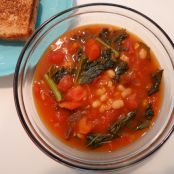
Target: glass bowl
(98, 13)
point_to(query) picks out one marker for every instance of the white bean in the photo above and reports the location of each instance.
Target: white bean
(120, 87)
(96, 104)
(102, 108)
(126, 92)
(103, 97)
(117, 104)
(110, 84)
(110, 73)
(142, 53)
(100, 91)
(124, 58)
(136, 45)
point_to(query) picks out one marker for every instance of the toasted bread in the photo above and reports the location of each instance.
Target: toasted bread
(17, 18)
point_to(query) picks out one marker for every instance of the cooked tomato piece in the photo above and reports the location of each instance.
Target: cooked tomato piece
(65, 83)
(76, 93)
(70, 105)
(92, 49)
(56, 57)
(84, 126)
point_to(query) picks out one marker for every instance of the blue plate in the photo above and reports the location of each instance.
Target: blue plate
(10, 50)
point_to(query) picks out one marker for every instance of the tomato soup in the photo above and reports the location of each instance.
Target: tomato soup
(97, 88)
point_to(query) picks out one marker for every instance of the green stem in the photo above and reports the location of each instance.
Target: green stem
(81, 63)
(53, 87)
(108, 46)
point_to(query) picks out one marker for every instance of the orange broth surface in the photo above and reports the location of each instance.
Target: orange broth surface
(91, 108)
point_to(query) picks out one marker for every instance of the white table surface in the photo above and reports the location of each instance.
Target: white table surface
(18, 155)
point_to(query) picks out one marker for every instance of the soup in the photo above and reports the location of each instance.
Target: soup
(97, 87)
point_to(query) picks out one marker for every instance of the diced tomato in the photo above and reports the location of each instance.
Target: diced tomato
(65, 83)
(84, 127)
(76, 93)
(131, 102)
(70, 105)
(56, 57)
(92, 49)
(73, 48)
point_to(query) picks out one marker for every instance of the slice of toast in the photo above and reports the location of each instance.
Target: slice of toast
(17, 19)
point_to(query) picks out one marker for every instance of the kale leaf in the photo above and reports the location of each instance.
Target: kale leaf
(149, 112)
(156, 80)
(116, 127)
(92, 69)
(96, 140)
(120, 69)
(143, 125)
(56, 73)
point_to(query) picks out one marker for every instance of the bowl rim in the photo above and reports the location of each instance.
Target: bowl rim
(16, 78)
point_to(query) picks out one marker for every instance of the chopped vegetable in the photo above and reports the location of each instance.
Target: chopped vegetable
(109, 47)
(57, 57)
(96, 140)
(120, 69)
(156, 80)
(95, 68)
(143, 125)
(149, 113)
(53, 87)
(71, 122)
(76, 93)
(117, 126)
(92, 49)
(56, 73)
(121, 35)
(104, 35)
(80, 68)
(107, 54)
(65, 83)
(84, 127)
(70, 105)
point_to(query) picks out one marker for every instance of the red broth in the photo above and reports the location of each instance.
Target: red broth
(108, 85)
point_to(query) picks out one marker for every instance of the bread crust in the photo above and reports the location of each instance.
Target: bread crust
(17, 19)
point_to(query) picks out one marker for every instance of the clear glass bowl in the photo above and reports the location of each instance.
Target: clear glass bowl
(99, 13)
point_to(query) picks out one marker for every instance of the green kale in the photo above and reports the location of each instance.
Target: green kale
(156, 80)
(149, 112)
(120, 69)
(56, 73)
(117, 126)
(92, 69)
(143, 125)
(104, 35)
(119, 37)
(96, 140)
(53, 87)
